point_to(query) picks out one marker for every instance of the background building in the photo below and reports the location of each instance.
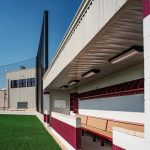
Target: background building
(21, 89)
(3, 99)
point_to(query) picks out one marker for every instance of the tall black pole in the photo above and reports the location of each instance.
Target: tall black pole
(46, 38)
(8, 98)
(41, 62)
(37, 85)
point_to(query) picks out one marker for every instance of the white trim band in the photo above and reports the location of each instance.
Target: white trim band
(71, 120)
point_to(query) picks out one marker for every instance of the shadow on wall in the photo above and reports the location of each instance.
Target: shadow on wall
(131, 103)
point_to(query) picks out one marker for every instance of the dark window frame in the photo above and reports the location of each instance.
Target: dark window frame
(14, 83)
(30, 82)
(22, 83)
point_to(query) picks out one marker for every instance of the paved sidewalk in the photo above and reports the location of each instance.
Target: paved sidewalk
(88, 144)
(18, 112)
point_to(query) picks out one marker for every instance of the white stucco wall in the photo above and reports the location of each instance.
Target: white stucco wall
(129, 141)
(46, 102)
(60, 95)
(147, 75)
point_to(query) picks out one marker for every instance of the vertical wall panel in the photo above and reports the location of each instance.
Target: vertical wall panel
(2, 99)
(60, 95)
(21, 94)
(146, 24)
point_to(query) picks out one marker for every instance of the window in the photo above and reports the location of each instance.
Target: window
(14, 83)
(22, 83)
(30, 82)
(22, 105)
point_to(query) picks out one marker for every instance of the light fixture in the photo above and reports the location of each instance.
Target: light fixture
(73, 82)
(90, 73)
(126, 54)
(64, 87)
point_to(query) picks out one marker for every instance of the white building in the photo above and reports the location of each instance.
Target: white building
(21, 89)
(101, 70)
(3, 102)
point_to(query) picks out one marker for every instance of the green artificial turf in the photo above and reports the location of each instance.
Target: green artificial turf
(20, 132)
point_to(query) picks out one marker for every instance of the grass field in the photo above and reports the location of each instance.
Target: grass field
(19, 132)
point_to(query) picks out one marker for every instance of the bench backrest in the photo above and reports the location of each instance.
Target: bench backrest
(97, 123)
(83, 118)
(134, 127)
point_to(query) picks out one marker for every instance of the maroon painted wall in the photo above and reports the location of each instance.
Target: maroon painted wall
(117, 148)
(71, 134)
(74, 102)
(146, 8)
(122, 89)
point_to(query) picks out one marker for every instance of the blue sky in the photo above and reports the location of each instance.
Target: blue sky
(20, 26)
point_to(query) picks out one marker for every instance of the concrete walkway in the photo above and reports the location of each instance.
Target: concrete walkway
(88, 144)
(18, 112)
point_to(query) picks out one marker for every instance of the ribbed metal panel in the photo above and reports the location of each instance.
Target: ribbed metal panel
(21, 94)
(2, 99)
(96, 14)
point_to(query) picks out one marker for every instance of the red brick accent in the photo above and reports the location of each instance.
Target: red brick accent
(117, 148)
(71, 134)
(146, 8)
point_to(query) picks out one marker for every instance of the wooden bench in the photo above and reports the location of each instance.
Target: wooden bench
(103, 127)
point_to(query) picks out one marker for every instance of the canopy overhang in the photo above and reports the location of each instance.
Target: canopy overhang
(123, 31)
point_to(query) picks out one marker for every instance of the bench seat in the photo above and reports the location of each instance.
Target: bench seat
(97, 131)
(104, 127)
(124, 125)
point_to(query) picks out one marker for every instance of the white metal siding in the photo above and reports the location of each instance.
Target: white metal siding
(21, 94)
(98, 14)
(2, 95)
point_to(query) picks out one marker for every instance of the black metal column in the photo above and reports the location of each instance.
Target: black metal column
(41, 62)
(46, 38)
(37, 99)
